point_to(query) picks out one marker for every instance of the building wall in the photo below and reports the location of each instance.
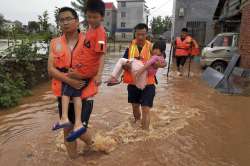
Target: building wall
(244, 37)
(110, 20)
(135, 12)
(124, 36)
(195, 10)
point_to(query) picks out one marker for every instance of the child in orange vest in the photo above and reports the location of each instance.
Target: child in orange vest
(138, 69)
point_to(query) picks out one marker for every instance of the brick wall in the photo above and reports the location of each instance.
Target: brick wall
(245, 37)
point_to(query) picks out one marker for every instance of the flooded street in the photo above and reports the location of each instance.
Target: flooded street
(191, 125)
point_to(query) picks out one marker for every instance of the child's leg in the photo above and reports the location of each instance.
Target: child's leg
(78, 112)
(118, 68)
(145, 118)
(65, 109)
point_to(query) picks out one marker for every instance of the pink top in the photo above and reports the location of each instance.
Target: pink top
(154, 59)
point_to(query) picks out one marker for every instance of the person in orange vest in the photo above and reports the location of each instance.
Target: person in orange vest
(184, 46)
(76, 64)
(141, 99)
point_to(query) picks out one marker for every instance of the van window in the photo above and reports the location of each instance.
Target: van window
(223, 41)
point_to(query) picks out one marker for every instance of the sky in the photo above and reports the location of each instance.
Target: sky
(28, 10)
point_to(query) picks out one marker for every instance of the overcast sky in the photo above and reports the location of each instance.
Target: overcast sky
(27, 10)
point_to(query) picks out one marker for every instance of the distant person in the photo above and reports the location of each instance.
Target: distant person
(185, 46)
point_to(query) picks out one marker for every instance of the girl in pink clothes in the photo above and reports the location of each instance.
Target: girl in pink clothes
(138, 69)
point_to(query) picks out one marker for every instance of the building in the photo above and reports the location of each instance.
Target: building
(197, 16)
(130, 13)
(245, 34)
(227, 16)
(110, 18)
(8, 25)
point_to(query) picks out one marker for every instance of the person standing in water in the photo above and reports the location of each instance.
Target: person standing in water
(89, 51)
(185, 46)
(140, 99)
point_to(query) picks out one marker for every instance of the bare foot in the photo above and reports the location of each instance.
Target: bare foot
(64, 121)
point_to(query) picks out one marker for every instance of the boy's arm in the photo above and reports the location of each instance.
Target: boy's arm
(98, 77)
(56, 74)
(76, 75)
(100, 49)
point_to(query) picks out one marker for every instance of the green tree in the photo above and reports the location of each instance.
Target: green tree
(167, 22)
(2, 33)
(80, 6)
(33, 26)
(44, 21)
(160, 25)
(1, 20)
(56, 14)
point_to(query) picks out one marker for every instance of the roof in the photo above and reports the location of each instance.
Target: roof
(110, 5)
(219, 9)
(228, 9)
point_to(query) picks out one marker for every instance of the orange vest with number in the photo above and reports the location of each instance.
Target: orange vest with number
(145, 55)
(63, 59)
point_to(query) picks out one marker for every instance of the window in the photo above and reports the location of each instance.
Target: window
(123, 24)
(181, 12)
(123, 14)
(223, 41)
(123, 35)
(108, 14)
(108, 24)
(123, 4)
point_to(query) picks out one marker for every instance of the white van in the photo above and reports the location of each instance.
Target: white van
(217, 54)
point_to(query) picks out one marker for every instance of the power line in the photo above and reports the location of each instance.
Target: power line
(160, 7)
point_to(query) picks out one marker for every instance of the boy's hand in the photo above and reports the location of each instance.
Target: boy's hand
(98, 80)
(74, 74)
(76, 83)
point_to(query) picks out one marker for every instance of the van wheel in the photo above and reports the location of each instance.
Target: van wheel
(220, 66)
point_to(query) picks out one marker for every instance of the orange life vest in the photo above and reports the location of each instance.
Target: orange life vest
(183, 47)
(187, 47)
(64, 59)
(145, 55)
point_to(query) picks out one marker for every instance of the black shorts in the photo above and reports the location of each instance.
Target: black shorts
(143, 97)
(181, 60)
(68, 90)
(87, 107)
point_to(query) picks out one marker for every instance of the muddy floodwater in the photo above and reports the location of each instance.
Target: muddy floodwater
(192, 125)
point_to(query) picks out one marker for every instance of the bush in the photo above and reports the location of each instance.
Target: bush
(13, 85)
(11, 90)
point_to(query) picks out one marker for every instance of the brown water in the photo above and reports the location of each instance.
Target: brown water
(192, 125)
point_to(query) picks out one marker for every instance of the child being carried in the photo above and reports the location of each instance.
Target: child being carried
(138, 69)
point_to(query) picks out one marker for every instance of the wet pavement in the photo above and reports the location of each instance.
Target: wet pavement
(192, 125)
